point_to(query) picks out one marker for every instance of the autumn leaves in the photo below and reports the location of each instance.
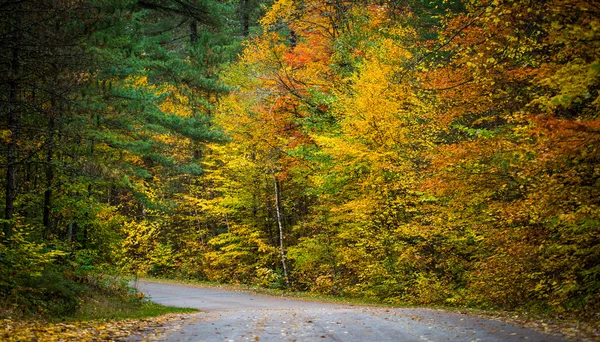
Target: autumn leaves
(455, 169)
(433, 153)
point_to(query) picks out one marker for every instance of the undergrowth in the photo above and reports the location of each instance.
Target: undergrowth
(59, 294)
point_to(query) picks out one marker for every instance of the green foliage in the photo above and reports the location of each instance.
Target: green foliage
(51, 294)
(24, 260)
(42, 281)
(106, 136)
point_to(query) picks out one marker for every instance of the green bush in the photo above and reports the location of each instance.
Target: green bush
(38, 280)
(54, 293)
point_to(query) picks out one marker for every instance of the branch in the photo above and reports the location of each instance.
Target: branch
(420, 59)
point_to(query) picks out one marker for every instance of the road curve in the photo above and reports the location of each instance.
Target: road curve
(243, 316)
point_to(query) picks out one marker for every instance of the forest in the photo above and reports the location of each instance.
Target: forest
(421, 152)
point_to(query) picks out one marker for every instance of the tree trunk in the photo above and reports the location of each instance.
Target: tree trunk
(13, 127)
(11, 152)
(193, 33)
(280, 226)
(245, 17)
(49, 178)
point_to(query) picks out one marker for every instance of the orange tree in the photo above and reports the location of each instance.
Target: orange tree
(519, 87)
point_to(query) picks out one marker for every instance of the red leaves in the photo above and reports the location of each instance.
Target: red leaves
(312, 49)
(566, 138)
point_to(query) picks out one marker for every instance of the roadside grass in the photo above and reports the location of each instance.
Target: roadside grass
(101, 316)
(93, 304)
(106, 307)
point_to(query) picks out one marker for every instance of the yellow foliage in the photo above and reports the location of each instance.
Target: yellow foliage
(570, 83)
(173, 106)
(280, 10)
(137, 81)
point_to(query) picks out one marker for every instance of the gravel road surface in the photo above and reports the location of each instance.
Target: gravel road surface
(243, 316)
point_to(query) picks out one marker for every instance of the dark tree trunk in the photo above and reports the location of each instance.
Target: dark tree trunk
(49, 179)
(245, 17)
(193, 33)
(11, 157)
(13, 127)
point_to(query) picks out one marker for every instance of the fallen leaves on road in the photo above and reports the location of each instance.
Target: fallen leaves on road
(572, 330)
(85, 331)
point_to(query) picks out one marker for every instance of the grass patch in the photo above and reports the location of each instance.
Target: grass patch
(105, 310)
(106, 307)
(100, 317)
(105, 300)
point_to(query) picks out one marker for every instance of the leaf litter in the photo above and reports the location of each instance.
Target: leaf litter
(146, 329)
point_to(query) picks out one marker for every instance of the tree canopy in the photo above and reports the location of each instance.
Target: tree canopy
(438, 152)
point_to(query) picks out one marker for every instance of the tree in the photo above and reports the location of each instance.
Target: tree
(439, 164)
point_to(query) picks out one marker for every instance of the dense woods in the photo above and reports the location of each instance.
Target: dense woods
(439, 152)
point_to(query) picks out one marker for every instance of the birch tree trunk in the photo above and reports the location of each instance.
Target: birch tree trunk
(280, 226)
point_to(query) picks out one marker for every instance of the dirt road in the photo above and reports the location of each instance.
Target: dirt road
(242, 316)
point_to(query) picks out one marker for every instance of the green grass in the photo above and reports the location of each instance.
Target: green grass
(95, 305)
(103, 307)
